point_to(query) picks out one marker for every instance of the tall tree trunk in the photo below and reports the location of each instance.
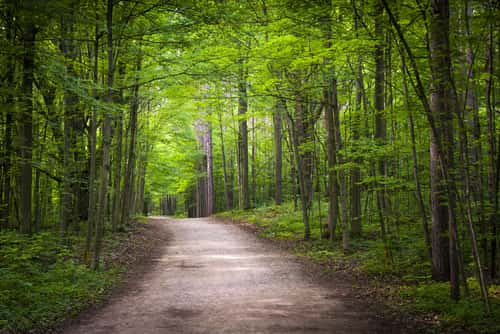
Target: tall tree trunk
(472, 113)
(492, 149)
(92, 205)
(333, 191)
(445, 262)
(278, 150)
(416, 172)
(116, 212)
(129, 171)
(243, 138)
(254, 164)
(231, 179)
(301, 127)
(438, 112)
(355, 171)
(106, 143)
(495, 242)
(141, 178)
(380, 119)
(68, 200)
(294, 185)
(204, 192)
(37, 196)
(210, 173)
(25, 121)
(227, 198)
(5, 207)
(346, 233)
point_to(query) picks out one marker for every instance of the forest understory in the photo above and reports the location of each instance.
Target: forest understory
(46, 286)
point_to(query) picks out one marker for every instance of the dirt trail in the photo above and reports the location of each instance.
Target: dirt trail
(213, 277)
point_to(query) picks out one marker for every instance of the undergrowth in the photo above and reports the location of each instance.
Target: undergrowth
(43, 281)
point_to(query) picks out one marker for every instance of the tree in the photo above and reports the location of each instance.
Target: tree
(25, 121)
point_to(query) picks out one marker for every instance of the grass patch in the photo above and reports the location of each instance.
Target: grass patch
(42, 281)
(433, 298)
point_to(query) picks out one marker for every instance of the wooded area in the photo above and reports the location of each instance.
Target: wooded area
(375, 119)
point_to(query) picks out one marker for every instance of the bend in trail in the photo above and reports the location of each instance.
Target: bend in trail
(214, 277)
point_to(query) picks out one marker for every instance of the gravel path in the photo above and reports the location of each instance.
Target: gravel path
(213, 277)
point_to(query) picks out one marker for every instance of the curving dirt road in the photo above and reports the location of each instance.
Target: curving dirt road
(214, 277)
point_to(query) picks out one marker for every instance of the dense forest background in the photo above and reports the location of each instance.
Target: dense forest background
(367, 123)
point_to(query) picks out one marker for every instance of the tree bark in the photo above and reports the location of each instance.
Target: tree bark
(254, 164)
(416, 169)
(106, 142)
(204, 192)
(472, 113)
(25, 121)
(5, 207)
(492, 148)
(227, 187)
(128, 189)
(356, 227)
(445, 263)
(333, 191)
(68, 200)
(278, 150)
(244, 193)
(301, 127)
(380, 120)
(116, 212)
(92, 138)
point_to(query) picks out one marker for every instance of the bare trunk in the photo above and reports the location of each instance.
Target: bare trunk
(117, 175)
(5, 207)
(494, 226)
(492, 149)
(92, 205)
(301, 132)
(227, 187)
(244, 193)
(380, 121)
(25, 121)
(254, 164)
(128, 186)
(346, 233)
(38, 189)
(416, 172)
(204, 192)
(472, 113)
(333, 191)
(106, 143)
(294, 185)
(443, 218)
(68, 200)
(355, 171)
(278, 150)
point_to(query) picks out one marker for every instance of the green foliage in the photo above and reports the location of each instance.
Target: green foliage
(274, 222)
(42, 281)
(433, 298)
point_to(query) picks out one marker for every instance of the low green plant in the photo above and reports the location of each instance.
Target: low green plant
(433, 298)
(42, 281)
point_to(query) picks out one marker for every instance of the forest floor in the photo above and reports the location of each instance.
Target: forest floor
(209, 276)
